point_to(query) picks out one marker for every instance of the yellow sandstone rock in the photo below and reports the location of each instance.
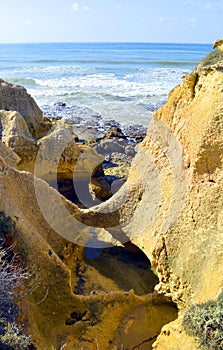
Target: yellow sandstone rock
(16, 98)
(218, 44)
(170, 207)
(188, 252)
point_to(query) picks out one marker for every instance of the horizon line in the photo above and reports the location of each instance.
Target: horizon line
(105, 42)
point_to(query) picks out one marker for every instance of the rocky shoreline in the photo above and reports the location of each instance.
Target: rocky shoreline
(89, 125)
(125, 269)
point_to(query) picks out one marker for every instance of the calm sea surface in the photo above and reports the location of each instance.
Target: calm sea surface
(122, 81)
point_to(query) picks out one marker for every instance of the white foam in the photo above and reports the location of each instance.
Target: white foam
(153, 82)
(125, 98)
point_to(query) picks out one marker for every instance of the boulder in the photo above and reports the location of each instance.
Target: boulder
(69, 166)
(9, 157)
(16, 135)
(115, 132)
(58, 153)
(16, 98)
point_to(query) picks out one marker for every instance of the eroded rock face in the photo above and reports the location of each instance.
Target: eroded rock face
(88, 315)
(58, 153)
(197, 122)
(185, 247)
(16, 98)
(16, 135)
(8, 155)
(52, 157)
(80, 315)
(178, 220)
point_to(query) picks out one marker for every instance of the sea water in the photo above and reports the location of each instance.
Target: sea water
(121, 81)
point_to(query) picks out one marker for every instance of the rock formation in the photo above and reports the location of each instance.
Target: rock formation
(16, 135)
(16, 98)
(218, 44)
(37, 140)
(170, 207)
(62, 309)
(186, 247)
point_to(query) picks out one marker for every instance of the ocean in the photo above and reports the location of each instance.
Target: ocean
(121, 81)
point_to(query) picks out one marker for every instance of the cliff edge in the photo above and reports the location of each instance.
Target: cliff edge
(184, 236)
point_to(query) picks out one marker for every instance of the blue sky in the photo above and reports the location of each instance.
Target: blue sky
(198, 21)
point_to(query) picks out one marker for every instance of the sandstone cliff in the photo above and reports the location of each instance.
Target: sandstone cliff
(184, 238)
(170, 208)
(61, 310)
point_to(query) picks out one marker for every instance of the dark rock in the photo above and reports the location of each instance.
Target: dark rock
(60, 104)
(89, 125)
(115, 132)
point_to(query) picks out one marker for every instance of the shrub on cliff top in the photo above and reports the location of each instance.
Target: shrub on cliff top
(11, 281)
(205, 321)
(212, 58)
(13, 339)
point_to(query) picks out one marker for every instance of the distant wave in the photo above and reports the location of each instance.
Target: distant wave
(105, 96)
(76, 61)
(117, 62)
(22, 81)
(52, 61)
(174, 63)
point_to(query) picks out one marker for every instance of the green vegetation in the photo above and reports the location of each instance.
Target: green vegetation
(14, 339)
(12, 276)
(205, 321)
(212, 58)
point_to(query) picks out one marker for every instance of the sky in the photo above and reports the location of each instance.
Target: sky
(186, 21)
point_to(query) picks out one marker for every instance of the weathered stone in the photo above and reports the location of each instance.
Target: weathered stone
(177, 218)
(58, 266)
(218, 44)
(16, 98)
(185, 246)
(16, 135)
(115, 132)
(10, 158)
(58, 153)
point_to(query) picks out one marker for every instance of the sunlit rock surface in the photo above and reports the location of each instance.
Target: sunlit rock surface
(168, 213)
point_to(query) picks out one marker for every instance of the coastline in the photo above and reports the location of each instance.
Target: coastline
(125, 82)
(126, 268)
(89, 125)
